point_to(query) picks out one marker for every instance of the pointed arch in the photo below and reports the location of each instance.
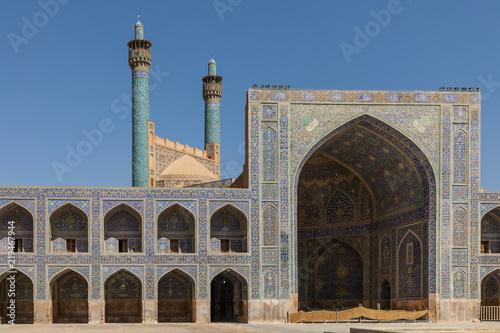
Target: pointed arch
(66, 206)
(490, 231)
(229, 297)
(24, 295)
(385, 289)
(69, 229)
(124, 270)
(123, 297)
(70, 294)
(8, 271)
(176, 230)
(65, 271)
(410, 269)
(408, 232)
(228, 227)
(232, 274)
(460, 229)
(13, 205)
(270, 284)
(384, 217)
(23, 228)
(459, 283)
(385, 254)
(123, 231)
(232, 208)
(490, 289)
(176, 293)
(342, 281)
(124, 206)
(270, 226)
(340, 209)
(490, 209)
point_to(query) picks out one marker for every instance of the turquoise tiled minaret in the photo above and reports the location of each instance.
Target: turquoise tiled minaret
(139, 59)
(212, 93)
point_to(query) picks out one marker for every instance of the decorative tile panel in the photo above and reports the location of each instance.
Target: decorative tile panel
(460, 157)
(269, 155)
(459, 257)
(269, 111)
(269, 191)
(474, 219)
(459, 284)
(270, 284)
(460, 114)
(270, 256)
(459, 193)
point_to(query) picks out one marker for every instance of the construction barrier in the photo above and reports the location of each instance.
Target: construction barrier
(345, 315)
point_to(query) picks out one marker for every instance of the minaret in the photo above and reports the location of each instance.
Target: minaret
(139, 59)
(212, 93)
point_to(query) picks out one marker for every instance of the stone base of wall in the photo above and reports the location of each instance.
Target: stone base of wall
(202, 311)
(96, 312)
(459, 310)
(43, 312)
(294, 303)
(259, 311)
(268, 311)
(149, 312)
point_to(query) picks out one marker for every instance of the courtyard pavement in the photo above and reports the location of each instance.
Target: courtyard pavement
(257, 328)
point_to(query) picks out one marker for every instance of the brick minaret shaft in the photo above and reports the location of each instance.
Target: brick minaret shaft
(139, 59)
(212, 93)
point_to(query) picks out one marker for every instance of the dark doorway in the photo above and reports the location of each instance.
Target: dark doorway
(385, 296)
(229, 298)
(175, 297)
(123, 298)
(70, 299)
(23, 297)
(222, 303)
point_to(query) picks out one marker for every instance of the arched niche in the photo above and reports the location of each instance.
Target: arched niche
(176, 230)
(228, 230)
(122, 230)
(69, 229)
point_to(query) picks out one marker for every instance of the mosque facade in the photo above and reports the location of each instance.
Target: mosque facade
(346, 198)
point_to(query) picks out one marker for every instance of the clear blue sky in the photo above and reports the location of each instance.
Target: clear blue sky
(67, 75)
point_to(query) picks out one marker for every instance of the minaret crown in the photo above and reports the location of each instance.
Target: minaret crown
(139, 30)
(212, 67)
